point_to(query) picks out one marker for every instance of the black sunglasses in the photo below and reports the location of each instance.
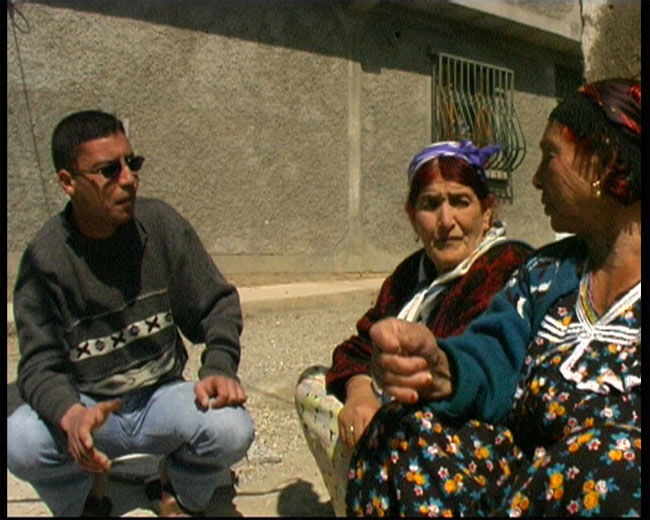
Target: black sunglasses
(113, 169)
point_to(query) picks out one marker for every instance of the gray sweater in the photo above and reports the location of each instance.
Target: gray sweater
(103, 316)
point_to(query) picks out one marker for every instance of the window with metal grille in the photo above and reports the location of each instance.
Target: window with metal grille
(473, 100)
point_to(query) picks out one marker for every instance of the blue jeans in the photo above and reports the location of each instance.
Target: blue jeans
(199, 445)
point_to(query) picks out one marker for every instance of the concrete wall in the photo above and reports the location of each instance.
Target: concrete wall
(611, 40)
(281, 131)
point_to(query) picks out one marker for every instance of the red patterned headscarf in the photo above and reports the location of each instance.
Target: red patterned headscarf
(605, 117)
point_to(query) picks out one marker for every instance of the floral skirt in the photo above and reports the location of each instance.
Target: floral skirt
(408, 463)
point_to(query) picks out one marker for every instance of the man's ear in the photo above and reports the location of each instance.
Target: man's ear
(66, 181)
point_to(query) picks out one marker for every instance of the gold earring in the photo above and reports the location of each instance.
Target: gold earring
(417, 238)
(595, 189)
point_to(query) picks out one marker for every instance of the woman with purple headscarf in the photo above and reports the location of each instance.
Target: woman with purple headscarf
(535, 410)
(464, 261)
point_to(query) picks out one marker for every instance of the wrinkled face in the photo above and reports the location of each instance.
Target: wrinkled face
(101, 204)
(450, 221)
(565, 181)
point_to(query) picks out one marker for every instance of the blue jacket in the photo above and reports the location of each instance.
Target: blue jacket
(487, 358)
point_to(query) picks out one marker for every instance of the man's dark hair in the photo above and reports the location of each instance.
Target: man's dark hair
(78, 128)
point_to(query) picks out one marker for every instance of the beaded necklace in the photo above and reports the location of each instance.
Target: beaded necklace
(600, 330)
(586, 298)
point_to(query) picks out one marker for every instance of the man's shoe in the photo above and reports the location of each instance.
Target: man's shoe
(164, 501)
(97, 507)
(228, 490)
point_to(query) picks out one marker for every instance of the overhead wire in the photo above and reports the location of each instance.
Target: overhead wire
(13, 10)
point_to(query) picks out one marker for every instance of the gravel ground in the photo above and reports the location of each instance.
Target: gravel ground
(279, 477)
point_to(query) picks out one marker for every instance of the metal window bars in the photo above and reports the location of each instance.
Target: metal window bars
(473, 100)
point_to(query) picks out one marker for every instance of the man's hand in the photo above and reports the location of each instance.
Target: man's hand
(218, 391)
(407, 361)
(360, 407)
(78, 423)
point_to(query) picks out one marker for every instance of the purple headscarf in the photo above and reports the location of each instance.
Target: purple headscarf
(465, 150)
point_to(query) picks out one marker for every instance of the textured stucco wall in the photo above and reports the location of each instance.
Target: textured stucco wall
(555, 17)
(280, 131)
(611, 39)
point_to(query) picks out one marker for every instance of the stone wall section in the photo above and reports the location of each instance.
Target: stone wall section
(282, 131)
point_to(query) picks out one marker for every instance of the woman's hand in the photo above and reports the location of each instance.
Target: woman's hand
(360, 407)
(407, 362)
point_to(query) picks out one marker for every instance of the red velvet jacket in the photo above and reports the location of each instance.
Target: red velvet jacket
(460, 302)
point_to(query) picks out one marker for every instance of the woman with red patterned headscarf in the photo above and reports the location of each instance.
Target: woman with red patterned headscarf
(536, 408)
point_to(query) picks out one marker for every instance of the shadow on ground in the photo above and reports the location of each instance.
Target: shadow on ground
(300, 499)
(130, 499)
(297, 499)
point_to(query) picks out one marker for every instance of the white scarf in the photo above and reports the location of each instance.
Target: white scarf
(420, 305)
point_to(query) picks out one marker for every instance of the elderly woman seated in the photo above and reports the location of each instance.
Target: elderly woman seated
(464, 261)
(536, 408)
